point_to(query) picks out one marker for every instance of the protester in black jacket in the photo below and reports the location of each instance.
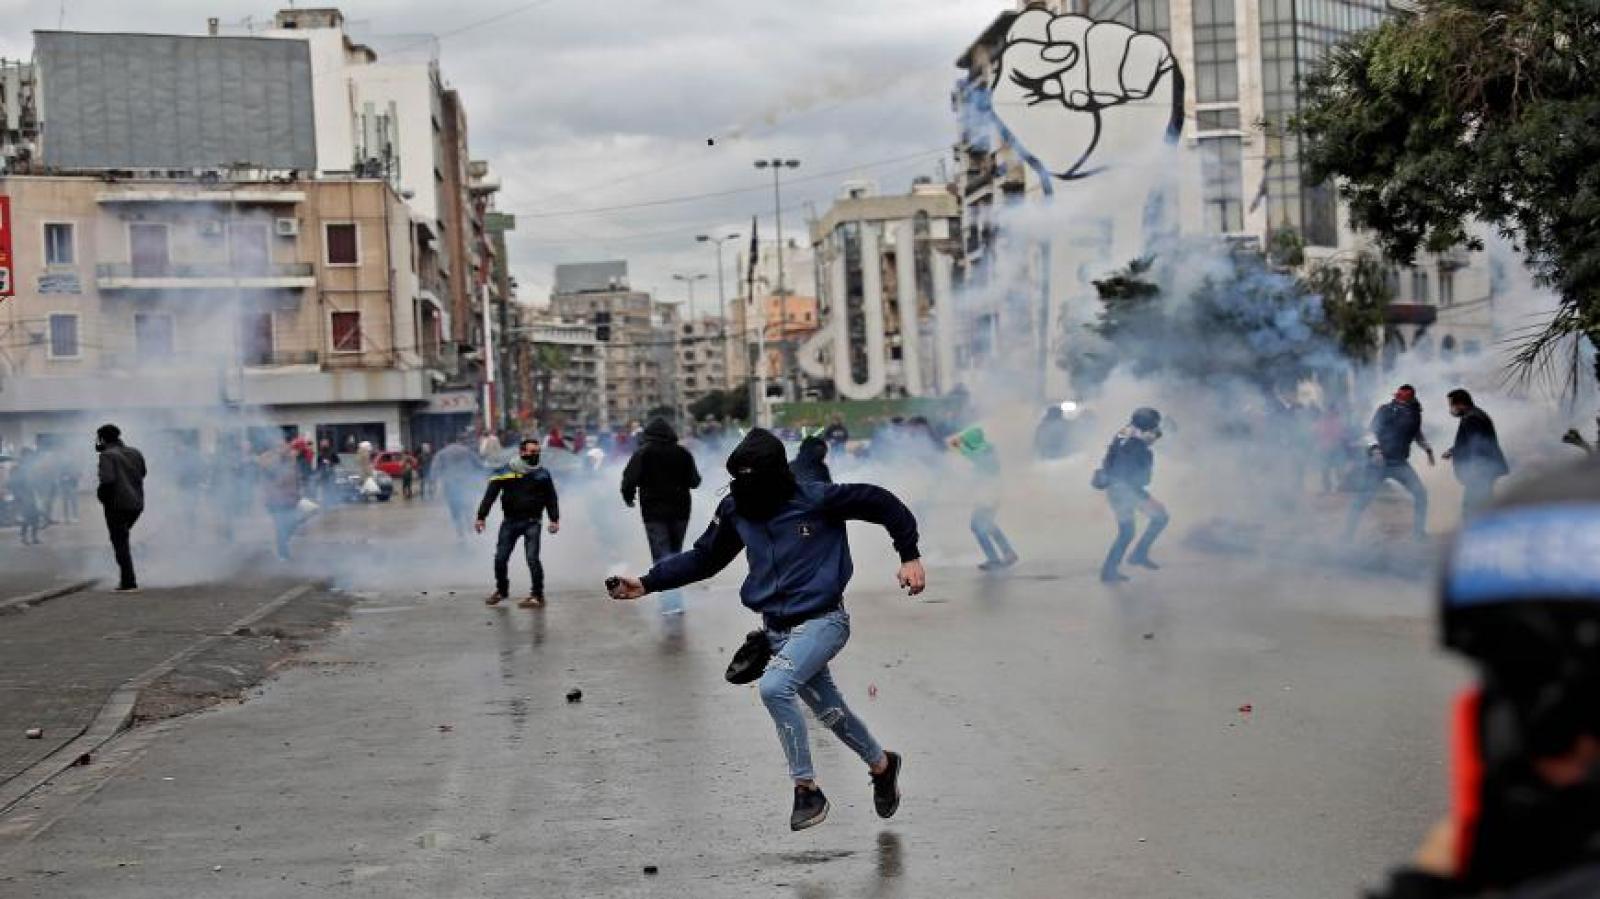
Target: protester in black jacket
(809, 462)
(1126, 470)
(526, 493)
(121, 492)
(1476, 455)
(660, 473)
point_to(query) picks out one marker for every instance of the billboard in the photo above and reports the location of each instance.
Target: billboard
(154, 101)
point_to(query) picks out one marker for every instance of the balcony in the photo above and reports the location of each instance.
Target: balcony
(204, 276)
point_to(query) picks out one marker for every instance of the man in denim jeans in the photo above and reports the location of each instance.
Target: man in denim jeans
(799, 561)
(526, 493)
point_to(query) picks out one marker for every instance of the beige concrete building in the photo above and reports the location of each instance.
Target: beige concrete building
(201, 305)
(638, 358)
(702, 358)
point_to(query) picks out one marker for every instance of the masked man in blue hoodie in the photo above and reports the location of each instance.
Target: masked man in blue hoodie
(799, 561)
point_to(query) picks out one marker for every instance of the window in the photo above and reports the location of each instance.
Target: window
(59, 244)
(248, 248)
(1419, 285)
(152, 335)
(1447, 287)
(1223, 182)
(255, 338)
(347, 332)
(342, 244)
(63, 336)
(147, 249)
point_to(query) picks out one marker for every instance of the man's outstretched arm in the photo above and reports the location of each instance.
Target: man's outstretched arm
(716, 548)
(869, 502)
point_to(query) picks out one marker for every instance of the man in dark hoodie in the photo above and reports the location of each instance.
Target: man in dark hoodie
(1395, 426)
(660, 473)
(1476, 455)
(799, 559)
(121, 492)
(1128, 466)
(809, 462)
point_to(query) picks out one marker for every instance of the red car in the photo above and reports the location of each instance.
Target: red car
(393, 463)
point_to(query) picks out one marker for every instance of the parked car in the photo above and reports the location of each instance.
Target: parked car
(393, 462)
(347, 482)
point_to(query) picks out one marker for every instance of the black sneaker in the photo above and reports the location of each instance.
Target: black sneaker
(886, 787)
(810, 808)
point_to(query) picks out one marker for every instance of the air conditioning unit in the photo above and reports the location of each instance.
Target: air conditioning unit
(287, 227)
(211, 228)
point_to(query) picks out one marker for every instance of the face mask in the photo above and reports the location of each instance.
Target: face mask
(759, 496)
(531, 460)
(99, 445)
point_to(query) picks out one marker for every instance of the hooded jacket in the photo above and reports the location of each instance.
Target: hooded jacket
(1129, 459)
(800, 557)
(809, 464)
(661, 473)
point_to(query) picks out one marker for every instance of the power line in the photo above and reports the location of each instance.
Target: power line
(711, 195)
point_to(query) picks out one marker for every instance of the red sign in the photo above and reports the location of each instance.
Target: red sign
(6, 289)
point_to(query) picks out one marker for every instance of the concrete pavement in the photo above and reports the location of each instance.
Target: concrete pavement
(1061, 739)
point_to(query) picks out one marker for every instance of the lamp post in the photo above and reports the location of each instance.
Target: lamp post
(777, 165)
(677, 342)
(689, 279)
(722, 299)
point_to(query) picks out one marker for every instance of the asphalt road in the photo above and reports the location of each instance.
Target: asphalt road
(1219, 728)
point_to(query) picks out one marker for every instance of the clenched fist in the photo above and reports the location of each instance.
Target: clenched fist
(1074, 92)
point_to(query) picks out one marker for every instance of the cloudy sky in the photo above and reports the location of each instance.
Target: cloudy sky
(584, 107)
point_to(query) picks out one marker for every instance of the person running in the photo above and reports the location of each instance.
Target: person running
(458, 472)
(798, 553)
(1476, 456)
(1395, 426)
(661, 473)
(1127, 469)
(997, 550)
(810, 461)
(121, 492)
(526, 493)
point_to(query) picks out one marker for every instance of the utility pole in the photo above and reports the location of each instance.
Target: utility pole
(722, 304)
(778, 165)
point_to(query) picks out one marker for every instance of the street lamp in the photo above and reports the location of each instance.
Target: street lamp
(689, 279)
(777, 165)
(722, 300)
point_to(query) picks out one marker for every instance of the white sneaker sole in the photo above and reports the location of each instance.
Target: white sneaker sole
(814, 821)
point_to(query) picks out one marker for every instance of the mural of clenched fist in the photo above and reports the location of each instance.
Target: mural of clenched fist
(1076, 93)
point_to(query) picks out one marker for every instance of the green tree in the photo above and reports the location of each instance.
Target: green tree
(547, 359)
(1467, 110)
(1353, 305)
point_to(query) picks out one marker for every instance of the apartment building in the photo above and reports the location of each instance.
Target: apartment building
(887, 263)
(637, 359)
(199, 305)
(702, 358)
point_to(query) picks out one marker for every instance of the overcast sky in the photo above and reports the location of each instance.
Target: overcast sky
(579, 104)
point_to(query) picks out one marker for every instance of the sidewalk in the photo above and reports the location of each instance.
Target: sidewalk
(61, 660)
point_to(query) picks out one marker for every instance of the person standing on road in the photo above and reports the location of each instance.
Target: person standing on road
(1395, 426)
(121, 493)
(1476, 455)
(425, 485)
(25, 482)
(67, 477)
(977, 449)
(459, 474)
(1127, 470)
(661, 473)
(796, 546)
(280, 486)
(327, 470)
(526, 493)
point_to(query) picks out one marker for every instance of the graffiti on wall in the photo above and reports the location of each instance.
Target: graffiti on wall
(1072, 93)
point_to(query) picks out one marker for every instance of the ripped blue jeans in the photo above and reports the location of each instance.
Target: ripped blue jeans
(799, 666)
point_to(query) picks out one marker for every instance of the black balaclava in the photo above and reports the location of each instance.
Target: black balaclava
(762, 482)
(529, 453)
(107, 435)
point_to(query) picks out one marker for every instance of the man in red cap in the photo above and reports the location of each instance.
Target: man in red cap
(1395, 426)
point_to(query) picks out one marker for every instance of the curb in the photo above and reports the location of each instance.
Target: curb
(117, 711)
(24, 603)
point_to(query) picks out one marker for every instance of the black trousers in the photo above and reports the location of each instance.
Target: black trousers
(119, 525)
(666, 537)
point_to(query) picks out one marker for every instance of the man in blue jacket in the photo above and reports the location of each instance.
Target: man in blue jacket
(1395, 426)
(799, 561)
